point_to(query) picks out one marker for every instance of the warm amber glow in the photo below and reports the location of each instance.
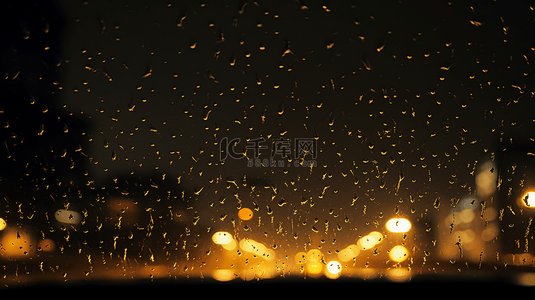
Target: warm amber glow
(230, 246)
(47, 245)
(314, 255)
(528, 200)
(256, 248)
(399, 253)
(262, 270)
(370, 240)
(245, 214)
(3, 224)
(377, 236)
(252, 246)
(223, 275)
(314, 267)
(398, 275)
(68, 216)
(348, 253)
(16, 243)
(222, 238)
(301, 258)
(526, 279)
(334, 267)
(486, 179)
(398, 225)
(491, 232)
(467, 215)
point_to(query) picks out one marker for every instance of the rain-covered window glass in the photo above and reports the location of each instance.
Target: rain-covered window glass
(266, 140)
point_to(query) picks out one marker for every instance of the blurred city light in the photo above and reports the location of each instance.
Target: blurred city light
(398, 253)
(398, 225)
(529, 199)
(245, 214)
(314, 268)
(370, 240)
(223, 274)
(68, 216)
(348, 253)
(486, 179)
(16, 243)
(334, 269)
(222, 238)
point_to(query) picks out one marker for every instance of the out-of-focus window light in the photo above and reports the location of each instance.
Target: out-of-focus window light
(314, 255)
(399, 253)
(16, 243)
(314, 268)
(223, 275)
(398, 225)
(222, 238)
(334, 269)
(68, 216)
(245, 214)
(301, 258)
(47, 245)
(370, 240)
(348, 253)
(486, 179)
(528, 200)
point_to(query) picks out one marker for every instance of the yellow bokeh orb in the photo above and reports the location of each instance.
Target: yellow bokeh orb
(223, 275)
(314, 267)
(245, 214)
(334, 267)
(370, 240)
(3, 224)
(399, 253)
(528, 200)
(398, 225)
(47, 245)
(16, 243)
(348, 253)
(314, 255)
(301, 258)
(222, 238)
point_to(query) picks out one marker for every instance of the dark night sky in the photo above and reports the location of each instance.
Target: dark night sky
(127, 41)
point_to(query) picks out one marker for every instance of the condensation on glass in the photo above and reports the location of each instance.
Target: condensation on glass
(275, 139)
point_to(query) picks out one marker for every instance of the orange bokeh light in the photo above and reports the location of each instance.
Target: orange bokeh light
(245, 214)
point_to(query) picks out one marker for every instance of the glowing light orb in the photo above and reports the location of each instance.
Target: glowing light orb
(256, 248)
(348, 253)
(47, 245)
(314, 267)
(314, 255)
(399, 253)
(3, 224)
(16, 244)
(467, 215)
(68, 216)
(223, 275)
(529, 199)
(222, 238)
(230, 246)
(487, 179)
(301, 258)
(370, 240)
(398, 225)
(334, 267)
(245, 214)
(377, 236)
